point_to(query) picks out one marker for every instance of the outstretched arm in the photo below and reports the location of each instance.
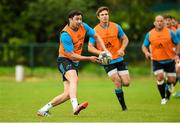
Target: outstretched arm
(74, 56)
(92, 49)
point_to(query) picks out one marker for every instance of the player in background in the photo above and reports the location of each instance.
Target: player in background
(116, 42)
(175, 23)
(172, 24)
(178, 65)
(70, 48)
(168, 23)
(177, 93)
(162, 41)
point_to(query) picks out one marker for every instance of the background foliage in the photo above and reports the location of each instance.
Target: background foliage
(40, 21)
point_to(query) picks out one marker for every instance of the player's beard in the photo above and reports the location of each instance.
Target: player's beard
(76, 26)
(160, 27)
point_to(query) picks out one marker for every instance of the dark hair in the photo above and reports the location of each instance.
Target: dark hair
(73, 13)
(167, 16)
(174, 18)
(100, 9)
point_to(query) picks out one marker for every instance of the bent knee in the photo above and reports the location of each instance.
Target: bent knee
(117, 84)
(126, 81)
(126, 84)
(160, 77)
(66, 95)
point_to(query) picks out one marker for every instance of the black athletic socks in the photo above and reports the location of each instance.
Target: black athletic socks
(161, 89)
(120, 96)
(168, 93)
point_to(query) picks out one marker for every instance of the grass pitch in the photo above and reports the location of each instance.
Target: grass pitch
(19, 102)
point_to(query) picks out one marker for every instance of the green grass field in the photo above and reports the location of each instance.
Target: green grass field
(19, 102)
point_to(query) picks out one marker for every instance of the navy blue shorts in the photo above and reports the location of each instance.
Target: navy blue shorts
(119, 67)
(65, 64)
(167, 67)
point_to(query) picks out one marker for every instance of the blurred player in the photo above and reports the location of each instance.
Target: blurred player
(172, 24)
(162, 41)
(116, 42)
(177, 94)
(70, 48)
(168, 23)
(175, 23)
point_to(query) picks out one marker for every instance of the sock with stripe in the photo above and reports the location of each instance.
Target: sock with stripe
(120, 95)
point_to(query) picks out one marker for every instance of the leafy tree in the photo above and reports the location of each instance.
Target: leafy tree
(40, 21)
(10, 14)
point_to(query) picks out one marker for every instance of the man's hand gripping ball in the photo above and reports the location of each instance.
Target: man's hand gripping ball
(105, 57)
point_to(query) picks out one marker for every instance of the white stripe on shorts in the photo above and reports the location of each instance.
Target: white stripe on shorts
(158, 71)
(110, 73)
(124, 72)
(171, 74)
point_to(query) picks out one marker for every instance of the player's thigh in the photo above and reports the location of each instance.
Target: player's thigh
(112, 72)
(158, 71)
(159, 75)
(123, 72)
(115, 78)
(67, 69)
(71, 75)
(177, 70)
(170, 71)
(171, 78)
(177, 66)
(125, 79)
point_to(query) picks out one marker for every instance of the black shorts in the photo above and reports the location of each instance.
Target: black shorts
(119, 66)
(65, 64)
(167, 67)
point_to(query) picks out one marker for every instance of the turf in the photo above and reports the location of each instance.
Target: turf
(19, 102)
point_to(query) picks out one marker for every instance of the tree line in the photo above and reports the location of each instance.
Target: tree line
(40, 21)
